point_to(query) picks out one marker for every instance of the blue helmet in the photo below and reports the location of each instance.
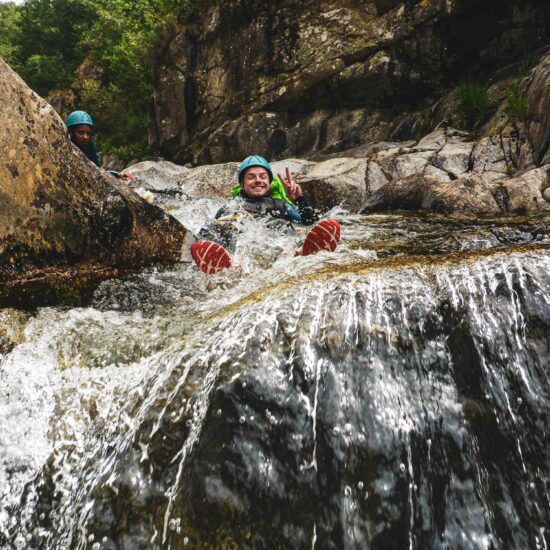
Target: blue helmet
(79, 117)
(254, 160)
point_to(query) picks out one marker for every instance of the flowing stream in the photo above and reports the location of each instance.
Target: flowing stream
(393, 394)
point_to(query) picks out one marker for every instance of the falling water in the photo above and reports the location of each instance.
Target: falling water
(394, 394)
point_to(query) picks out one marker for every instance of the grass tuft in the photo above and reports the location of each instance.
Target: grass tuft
(473, 104)
(517, 102)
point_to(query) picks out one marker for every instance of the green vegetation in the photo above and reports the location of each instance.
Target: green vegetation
(102, 49)
(48, 42)
(9, 24)
(517, 101)
(473, 104)
(424, 123)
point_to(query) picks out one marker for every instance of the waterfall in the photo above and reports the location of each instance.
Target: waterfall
(394, 394)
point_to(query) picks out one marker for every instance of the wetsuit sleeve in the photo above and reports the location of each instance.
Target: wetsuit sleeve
(224, 234)
(223, 211)
(94, 157)
(307, 212)
(292, 214)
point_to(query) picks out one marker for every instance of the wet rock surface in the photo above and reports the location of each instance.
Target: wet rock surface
(59, 214)
(394, 390)
(379, 407)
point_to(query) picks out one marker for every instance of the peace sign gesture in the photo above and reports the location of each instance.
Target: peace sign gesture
(293, 190)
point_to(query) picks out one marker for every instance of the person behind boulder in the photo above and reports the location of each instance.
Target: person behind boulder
(259, 193)
(80, 127)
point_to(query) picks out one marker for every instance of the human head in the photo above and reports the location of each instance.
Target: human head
(80, 126)
(255, 176)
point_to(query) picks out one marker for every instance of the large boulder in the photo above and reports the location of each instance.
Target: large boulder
(446, 173)
(528, 192)
(59, 214)
(337, 182)
(538, 113)
(160, 176)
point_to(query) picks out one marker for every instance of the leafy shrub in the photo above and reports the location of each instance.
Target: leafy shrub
(9, 23)
(473, 104)
(48, 41)
(44, 72)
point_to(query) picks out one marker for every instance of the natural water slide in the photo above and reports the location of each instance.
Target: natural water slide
(392, 394)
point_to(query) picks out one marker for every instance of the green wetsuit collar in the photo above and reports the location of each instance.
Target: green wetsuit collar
(278, 191)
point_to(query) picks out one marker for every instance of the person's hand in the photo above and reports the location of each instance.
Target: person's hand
(127, 177)
(293, 190)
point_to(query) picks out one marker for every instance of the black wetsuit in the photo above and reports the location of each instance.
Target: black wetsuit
(282, 213)
(89, 149)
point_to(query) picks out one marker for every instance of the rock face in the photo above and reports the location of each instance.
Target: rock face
(58, 211)
(538, 102)
(443, 172)
(287, 79)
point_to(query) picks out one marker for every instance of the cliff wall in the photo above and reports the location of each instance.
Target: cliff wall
(312, 78)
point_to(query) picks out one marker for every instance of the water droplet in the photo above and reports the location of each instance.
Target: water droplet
(336, 430)
(96, 546)
(91, 538)
(402, 467)
(174, 524)
(520, 400)
(347, 490)
(186, 540)
(252, 418)
(366, 495)
(360, 485)
(244, 385)
(189, 423)
(42, 516)
(532, 485)
(348, 428)
(242, 419)
(219, 412)
(104, 540)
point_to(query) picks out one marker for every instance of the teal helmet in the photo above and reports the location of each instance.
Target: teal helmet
(254, 160)
(79, 117)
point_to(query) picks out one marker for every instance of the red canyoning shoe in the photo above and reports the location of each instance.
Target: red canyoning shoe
(210, 257)
(323, 236)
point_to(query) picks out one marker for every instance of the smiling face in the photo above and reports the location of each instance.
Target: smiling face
(256, 181)
(82, 134)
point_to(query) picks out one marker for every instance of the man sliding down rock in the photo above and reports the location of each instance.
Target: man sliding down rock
(259, 193)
